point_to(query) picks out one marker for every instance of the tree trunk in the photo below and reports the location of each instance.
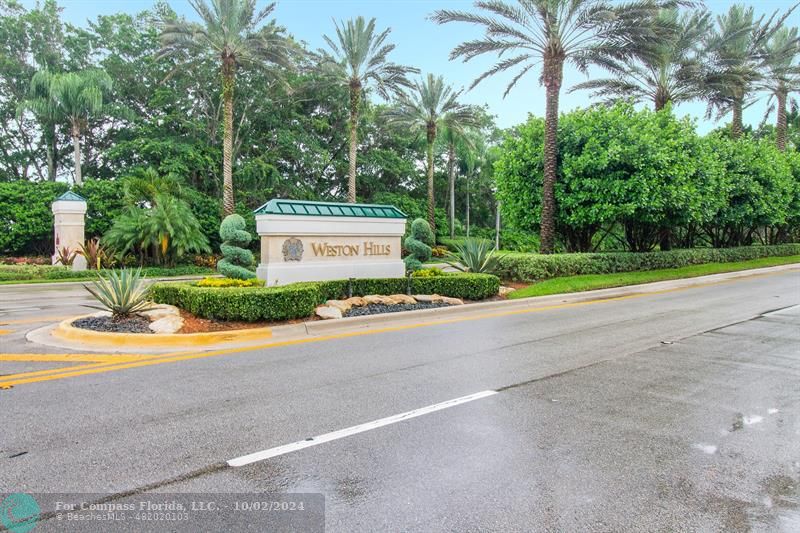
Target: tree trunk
(553, 72)
(52, 150)
(228, 80)
(780, 127)
(467, 177)
(736, 122)
(451, 175)
(76, 150)
(497, 227)
(431, 198)
(355, 101)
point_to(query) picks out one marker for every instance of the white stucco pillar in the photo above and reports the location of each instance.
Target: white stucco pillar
(69, 219)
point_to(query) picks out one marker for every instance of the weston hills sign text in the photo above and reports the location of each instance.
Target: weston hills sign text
(367, 248)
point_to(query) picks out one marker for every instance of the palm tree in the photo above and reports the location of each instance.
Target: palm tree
(359, 60)
(75, 97)
(455, 135)
(527, 33)
(782, 76)
(737, 51)
(45, 108)
(233, 31)
(431, 104)
(662, 71)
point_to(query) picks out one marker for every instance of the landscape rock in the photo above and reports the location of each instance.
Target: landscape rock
(373, 299)
(167, 324)
(101, 314)
(159, 311)
(506, 290)
(428, 298)
(402, 299)
(328, 312)
(342, 305)
(356, 301)
(452, 301)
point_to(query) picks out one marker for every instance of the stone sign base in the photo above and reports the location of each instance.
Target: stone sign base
(277, 274)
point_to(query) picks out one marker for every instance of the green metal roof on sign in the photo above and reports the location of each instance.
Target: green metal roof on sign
(328, 209)
(70, 196)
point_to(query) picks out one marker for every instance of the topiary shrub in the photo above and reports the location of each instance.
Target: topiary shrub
(236, 257)
(418, 244)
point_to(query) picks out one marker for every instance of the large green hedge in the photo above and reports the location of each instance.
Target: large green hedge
(56, 273)
(299, 299)
(531, 267)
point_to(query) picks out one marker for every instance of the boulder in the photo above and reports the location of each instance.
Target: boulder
(428, 298)
(402, 299)
(504, 291)
(327, 312)
(159, 311)
(452, 301)
(342, 305)
(356, 301)
(102, 314)
(378, 299)
(168, 324)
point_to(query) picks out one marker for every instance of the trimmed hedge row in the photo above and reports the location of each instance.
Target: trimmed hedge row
(530, 267)
(240, 303)
(298, 300)
(55, 273)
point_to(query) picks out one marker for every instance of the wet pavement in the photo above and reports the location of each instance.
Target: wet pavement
(672, 412)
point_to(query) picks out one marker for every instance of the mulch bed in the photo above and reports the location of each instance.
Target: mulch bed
(135, 324)
(193, 324)
(377, 309)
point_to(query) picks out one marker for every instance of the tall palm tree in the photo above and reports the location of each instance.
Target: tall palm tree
(75, 97)
(232, 30)
(661, 71)
(455, 135)
(47, 111)
(527, 33)
(359, 59)
(431, 104)
(737, 52)
(782, 76)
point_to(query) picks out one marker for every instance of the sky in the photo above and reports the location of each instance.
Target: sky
(426, 45)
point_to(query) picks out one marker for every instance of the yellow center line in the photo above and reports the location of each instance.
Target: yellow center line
(148, 360)
(33, 320)
(68, 357)
(5, 331)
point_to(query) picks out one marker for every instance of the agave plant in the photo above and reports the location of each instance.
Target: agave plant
(123, 293)
(474, 255)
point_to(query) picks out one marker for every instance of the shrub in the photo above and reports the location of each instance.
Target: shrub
(418, 244)
(237, 258)
(55, 273)
(230, 282)
(249, 304)
(26, 218)
(428, 273)
(531, 267)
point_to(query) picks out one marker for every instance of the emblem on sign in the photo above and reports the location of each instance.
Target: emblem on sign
(292, 249)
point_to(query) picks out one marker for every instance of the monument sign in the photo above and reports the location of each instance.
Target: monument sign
(69, 213)
(314, 241)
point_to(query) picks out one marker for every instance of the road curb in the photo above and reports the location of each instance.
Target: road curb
(65, 331)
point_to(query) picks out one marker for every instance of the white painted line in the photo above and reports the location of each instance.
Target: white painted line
(353, 430)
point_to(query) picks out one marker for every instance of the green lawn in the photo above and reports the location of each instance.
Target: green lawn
(605, 281)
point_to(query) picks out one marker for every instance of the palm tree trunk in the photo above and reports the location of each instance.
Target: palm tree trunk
(76, 151)
(228, 80)
(451, 157)
(431, 198)
(467, 177)
(553, 75)
(780, 127)
(355, 100)
(736, 122)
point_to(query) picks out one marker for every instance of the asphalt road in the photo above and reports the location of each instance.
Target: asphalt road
(671, 411)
